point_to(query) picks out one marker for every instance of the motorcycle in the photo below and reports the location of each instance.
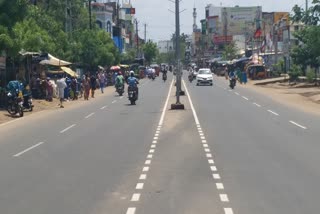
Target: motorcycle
(15, 104)
(120, 90)
(27, 102)
(232, 82)
(132, 92)
(190, 77)
(164, 77)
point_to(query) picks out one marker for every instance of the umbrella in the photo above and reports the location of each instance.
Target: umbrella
(115, 68)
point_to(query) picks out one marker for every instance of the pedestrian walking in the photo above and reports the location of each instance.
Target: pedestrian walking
(49, 90)
(61, 84)
(93, 84)
(102, 81)
(86, 86)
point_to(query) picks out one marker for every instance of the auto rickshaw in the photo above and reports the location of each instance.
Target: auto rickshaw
(256, 71)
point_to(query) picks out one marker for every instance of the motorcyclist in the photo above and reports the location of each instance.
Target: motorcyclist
(164, 73)
(119, 80)
(232, 76)
(133, 83)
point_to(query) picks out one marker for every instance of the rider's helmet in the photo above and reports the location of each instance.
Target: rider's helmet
(132, 73)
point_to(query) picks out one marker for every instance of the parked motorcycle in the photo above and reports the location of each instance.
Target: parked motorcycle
(120, 90)
(132, 94)
(15, 104)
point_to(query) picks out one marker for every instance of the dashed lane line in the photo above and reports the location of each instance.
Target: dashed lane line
(256, 104)
(297, 124)
(237, 93)
(245, 98)
(89, 115)
(274, 113)
(139, 186)
(103, 107)
(114, 101)
(28, 149)
(66, 129)
(223, 197)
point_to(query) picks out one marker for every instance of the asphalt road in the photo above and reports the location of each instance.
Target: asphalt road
(228, 152)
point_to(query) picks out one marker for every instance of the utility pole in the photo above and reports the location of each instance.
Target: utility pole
(178, 105)
(145, 32)
(90, 24)
(307, 5)
(137, 35)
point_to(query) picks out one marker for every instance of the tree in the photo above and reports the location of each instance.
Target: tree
(307, 52)
(150, 50)
(230, 51)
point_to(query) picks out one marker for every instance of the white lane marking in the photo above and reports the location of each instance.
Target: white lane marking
(236, 93)
(66, 129)
(149, 156)
(272, 112)
(114, 101)
(139, 185)
(228, 211)
(204, 141)
(155, 138)
(103, 107)
(157, 132)
(207, 150)
(245, 98)
(143, 177)
(12, 121)
(200, 131)
(196, 119)
(151, 151)
(202, 138)
(216, 176)
(135, 197)
(205, 145)
(224, 197)
(256, 104)
(157, 135)
(297, 124)
(28, 149)
(209, 155)
(213, 168)
(131, 210)
(219, 185)
(210, 161)
(154, 142)
(153, 146)
(145, 169)
(201, 134)
(148, 162)
(165, 105)
(89, 115)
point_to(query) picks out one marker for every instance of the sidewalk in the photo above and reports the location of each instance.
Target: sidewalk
(43, 105)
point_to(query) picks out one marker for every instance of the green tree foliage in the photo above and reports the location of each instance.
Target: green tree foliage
(230, 51)
(128, 57)
(295, 72)
(150, 50)
(56, 28)
(307, 52)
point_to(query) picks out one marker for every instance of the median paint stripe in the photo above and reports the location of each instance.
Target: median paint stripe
(256, 104)
(245, 98)
(224, 197)
(228, 211)
(89, 115)
(139, 185)
(135, 197)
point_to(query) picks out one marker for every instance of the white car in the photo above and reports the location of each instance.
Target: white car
(204, 76)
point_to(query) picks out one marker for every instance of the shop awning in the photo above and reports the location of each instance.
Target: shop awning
(54, 61)
(69, 71)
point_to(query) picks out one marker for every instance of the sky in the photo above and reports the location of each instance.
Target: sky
(161, 22)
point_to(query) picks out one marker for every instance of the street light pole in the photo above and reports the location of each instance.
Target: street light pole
(90, 24)
(178, 105)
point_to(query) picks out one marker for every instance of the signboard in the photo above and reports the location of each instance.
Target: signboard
(236, 19)
(222, 39)
(279, 15)
(213, 24)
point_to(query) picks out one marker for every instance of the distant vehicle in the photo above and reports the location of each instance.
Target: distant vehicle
(204, 77)
(195, 71)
